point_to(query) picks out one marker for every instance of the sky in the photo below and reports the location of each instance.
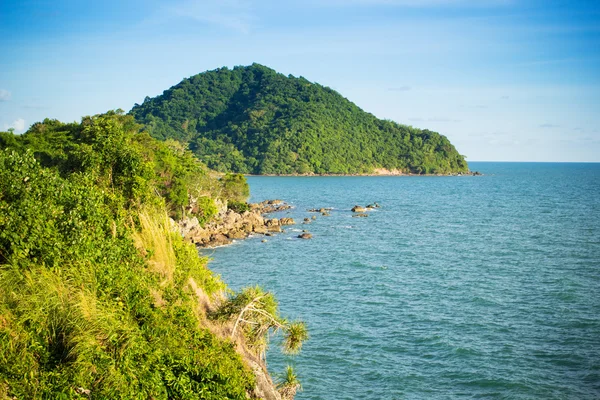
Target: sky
(504, 80)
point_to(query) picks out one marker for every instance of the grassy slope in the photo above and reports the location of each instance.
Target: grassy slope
(98, 298)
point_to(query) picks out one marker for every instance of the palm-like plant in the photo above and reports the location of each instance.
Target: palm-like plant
(254, 312)
(289, 385)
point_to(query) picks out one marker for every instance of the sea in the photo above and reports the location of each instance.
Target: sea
(456, 287)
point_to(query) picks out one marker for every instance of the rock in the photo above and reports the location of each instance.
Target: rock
(306, 219)
(236, 235)
(260, 229)
(246, 227)
(271, 222)
(305, 235)
(254, 218)
(264, 241)
(275, 202)
(218, 240)
(358, 209)
(274, 228)
(319, 210)
(360, 215)
(286, 221)
(268, 234)
(314, 217)
(325, 214)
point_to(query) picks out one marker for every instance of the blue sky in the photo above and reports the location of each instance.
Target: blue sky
(504, 80)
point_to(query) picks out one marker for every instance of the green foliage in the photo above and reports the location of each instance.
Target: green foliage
(254, 120)
(289, 385)
(255, 314)
(206, 209)
(98, 298)
(235, 187)
(112, 153)
(238, 206)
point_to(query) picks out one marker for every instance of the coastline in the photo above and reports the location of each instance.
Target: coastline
(409, 174)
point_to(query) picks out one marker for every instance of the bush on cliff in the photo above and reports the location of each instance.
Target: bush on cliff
(98, 297)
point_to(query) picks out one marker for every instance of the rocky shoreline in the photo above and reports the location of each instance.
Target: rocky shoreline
(229, 225)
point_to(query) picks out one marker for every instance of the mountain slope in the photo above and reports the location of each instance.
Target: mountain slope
(254, 120)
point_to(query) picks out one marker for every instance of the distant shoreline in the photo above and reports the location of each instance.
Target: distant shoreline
(469, 173)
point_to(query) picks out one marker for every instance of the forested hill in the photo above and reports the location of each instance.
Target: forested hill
(255, 120)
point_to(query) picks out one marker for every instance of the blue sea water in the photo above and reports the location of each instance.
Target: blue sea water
(457, 287)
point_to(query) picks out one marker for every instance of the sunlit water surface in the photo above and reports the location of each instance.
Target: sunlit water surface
(483, 287)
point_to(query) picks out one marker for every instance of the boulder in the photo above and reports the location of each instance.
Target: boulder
(360, 215)
(305, 235)
(271, 222)
(246, 227)
(260, 229)
(218, 240)
(237, 234)
(286, 221)
(358, 209)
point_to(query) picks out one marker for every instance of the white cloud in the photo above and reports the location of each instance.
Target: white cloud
(4, 95)
(18, 125)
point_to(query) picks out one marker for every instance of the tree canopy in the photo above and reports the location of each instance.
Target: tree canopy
(255, 120)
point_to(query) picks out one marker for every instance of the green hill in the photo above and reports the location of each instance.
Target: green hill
(255, 120)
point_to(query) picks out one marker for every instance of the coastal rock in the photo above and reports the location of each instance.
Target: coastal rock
(229, 224)
(271, 222)
(314, 217)
(218, 240)
(270, 206)
(237, 235)
(359, 209)
(319, 210)
(247, 227)
(363, 215)
(260, 229)
(274, 228)
(305, 235)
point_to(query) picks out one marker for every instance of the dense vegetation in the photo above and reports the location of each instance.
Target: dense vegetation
(254, 120)
(99, 298)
